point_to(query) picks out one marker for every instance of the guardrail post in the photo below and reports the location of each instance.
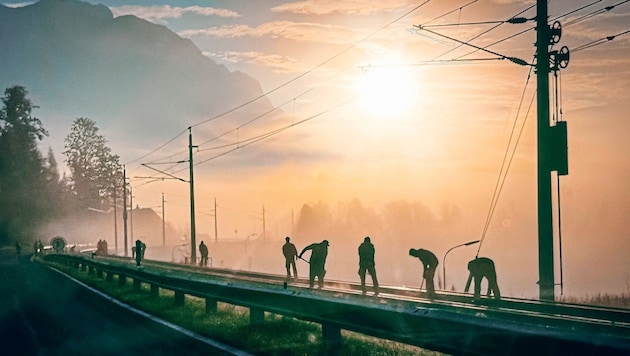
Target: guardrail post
(155, 291)
(99, 273)
(211, 306)
(90, 270)
(122, 279)
(110, 276)
(179, 298)
(331, 335)
(256, 316)
(136, 284)
(82, 267)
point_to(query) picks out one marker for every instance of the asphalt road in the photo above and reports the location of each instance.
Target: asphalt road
(44, 313)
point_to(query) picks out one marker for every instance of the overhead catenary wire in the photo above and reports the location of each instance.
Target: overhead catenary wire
(266, 135)
(505, 164)
(321, 64)
(595, 13)
(467, 43)
(599, 41)
(313, 69)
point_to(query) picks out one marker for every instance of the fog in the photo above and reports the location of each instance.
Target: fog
(394, 228)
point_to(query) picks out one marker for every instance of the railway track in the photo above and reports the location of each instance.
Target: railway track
(555, 315)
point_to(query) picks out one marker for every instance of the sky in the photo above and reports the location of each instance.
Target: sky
(401, 113)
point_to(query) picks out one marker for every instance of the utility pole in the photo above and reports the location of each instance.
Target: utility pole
(193, 234)
(115, 221)
(545, 224)
(264, 232)
(163, 223)
(216, 233)
(131, 212)
(125, 207)
(551, 146)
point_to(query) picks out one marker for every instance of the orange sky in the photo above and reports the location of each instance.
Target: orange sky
(444, 143)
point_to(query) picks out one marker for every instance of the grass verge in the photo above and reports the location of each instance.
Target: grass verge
(278, 335)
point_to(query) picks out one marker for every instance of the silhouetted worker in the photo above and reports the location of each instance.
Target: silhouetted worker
(290, 253)
(203, 250)
(139, 249)
(429, 263)
(317, 262)
(104, 248)
(142, 250)
(366, 263)
(479, 268)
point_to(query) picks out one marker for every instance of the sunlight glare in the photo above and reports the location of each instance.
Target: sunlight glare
(386, 93)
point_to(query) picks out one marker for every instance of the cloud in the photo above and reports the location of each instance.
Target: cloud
(352, 7)
(276, 62)
(304, 31)
(164, 12)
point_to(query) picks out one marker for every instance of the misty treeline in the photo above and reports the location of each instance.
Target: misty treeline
(397, 221)
(32, 190)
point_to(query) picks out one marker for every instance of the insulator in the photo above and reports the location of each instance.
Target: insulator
(563, 57)
(516, 20)
(559, 59)
(555, 33)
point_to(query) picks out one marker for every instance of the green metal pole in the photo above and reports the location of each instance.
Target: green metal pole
(193, 234)
(545, 223)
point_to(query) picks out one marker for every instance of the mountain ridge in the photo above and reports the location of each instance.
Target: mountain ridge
(78, 60)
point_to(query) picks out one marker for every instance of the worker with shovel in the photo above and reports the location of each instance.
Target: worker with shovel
(429, 263)
(319, 252)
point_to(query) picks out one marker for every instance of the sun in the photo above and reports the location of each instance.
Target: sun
(387, 92)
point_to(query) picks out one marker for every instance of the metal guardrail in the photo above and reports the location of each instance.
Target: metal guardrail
(451, 329)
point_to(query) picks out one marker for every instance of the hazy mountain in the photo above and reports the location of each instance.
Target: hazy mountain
(130, 75)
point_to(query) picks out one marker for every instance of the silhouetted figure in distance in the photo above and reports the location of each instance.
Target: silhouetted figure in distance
(140, 246)
(203, 250)
(290, 253)
(429, 263)
(317, 262)
(366, 263)
(479, 268)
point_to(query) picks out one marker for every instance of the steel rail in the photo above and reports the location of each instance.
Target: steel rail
(588, 312)
(441, 325)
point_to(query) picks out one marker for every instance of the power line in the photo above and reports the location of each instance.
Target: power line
(467, 43)
(483, 33)
(505, 164)
(452, 11)
(599, 41)
(354, 45)
(255, 118)
(315, 67)
(266, 135)
(595, 13)
(159, 148)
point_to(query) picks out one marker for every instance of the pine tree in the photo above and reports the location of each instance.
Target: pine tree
(26, 204)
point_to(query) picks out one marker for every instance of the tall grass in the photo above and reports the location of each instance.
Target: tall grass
(604, 300)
